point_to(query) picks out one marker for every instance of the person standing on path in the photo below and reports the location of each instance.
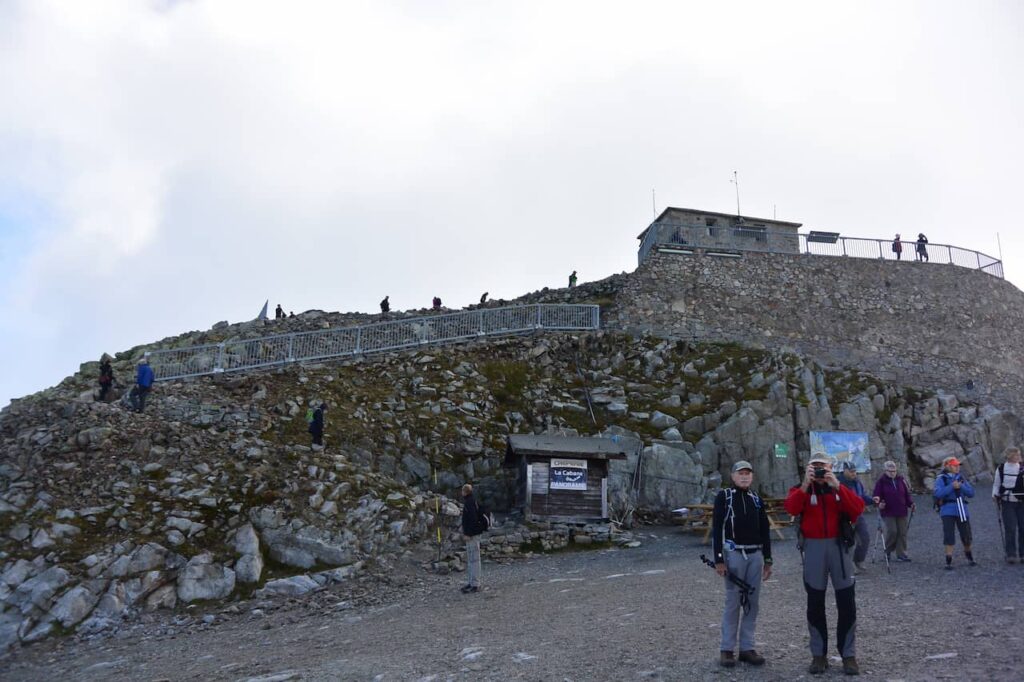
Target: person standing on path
(1008, 493)
(892, 495)
(952, 491)
(821, 503)
(572, 279)
(743, 547)
(316, 426)
(922, 247)
(385, 306)
(471, 530)
(863, 533)
(143, 385)
(897, 247)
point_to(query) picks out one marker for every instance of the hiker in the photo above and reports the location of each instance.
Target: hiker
(143, 385)
(743, 547)
(106, 377)
(863, 533)
(483, 299)
(572, 279)
(892, 495)
(1008, 493)
(472, 527)
(952, 491)
(385, 306)
(922, 247)
(278, 312)
(436, 303)
(821, 503)
(897, 247)
(316, 425)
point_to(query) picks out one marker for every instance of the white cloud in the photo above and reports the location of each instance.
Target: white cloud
(194, 158)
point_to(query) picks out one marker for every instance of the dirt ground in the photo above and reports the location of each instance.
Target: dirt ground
(650, 613)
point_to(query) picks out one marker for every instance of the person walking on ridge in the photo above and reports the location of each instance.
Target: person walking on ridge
(822, 503)
(106, 377)
(143, 384)
(572, 280)
(278, 312)
(316, 426)
(385, 306)
(743, 547)
(922, 247)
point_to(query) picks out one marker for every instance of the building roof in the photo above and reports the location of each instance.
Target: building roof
(744, 218)
(548, 445)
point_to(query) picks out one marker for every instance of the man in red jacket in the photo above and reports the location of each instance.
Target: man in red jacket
(821, 502)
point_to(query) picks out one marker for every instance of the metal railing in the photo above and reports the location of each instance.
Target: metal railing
(413, 332)
(762, 240)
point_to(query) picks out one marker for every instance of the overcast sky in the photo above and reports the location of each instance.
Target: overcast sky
(166, 165)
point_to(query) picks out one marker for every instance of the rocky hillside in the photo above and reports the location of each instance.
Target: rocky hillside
(214, 492)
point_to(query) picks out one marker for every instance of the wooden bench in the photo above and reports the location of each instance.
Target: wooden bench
(698, 519)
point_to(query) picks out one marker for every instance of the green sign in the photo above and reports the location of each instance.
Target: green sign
(781, 450)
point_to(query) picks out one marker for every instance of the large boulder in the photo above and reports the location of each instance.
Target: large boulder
(932, 455)
(203, 579)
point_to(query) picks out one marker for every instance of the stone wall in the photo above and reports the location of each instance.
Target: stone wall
(918, 324)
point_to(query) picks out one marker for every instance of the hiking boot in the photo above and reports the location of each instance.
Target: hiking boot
(850, 666)
(902, 557)
(727, 659)
(949, 567)
(752, 657)
(859, 567)
(1011, 560)
(819, 664)
(972, 562)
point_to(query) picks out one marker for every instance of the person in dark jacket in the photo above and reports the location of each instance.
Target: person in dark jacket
(743, 547)
(1008, 493)
(316, 426)
(106, 376)
(471, 530)
(952, 490)
(922, 247)
(385, 305)
(278, 312)
(897, 247)
(892, 495)
(863, 533)
(143, 385)
(821, 503)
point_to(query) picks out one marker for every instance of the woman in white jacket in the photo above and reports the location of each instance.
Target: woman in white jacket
(1008, 493)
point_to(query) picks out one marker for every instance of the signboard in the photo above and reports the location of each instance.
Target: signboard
(568, 474)
(781, 450)
(842, 446)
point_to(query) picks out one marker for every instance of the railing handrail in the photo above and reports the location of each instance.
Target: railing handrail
(703, 236)
(235, 355)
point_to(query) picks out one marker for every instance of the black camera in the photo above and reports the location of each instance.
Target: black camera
(819, 472)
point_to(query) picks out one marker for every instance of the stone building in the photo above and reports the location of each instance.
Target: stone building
(687, 229)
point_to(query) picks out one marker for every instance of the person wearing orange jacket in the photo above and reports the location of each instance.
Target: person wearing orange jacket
(823, 505)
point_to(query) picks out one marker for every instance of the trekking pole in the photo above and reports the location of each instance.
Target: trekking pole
(880, 545)
(999, 515)
(745, 588)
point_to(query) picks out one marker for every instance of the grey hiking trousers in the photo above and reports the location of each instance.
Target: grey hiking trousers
(825, 560)
(748, 569)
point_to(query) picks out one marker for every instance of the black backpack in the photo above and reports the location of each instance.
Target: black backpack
(484, 518)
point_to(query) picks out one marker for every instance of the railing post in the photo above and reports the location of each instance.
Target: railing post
(480, 316)
(949, 253)
(218, 364)
(881, 254)
(359, 340)
(843, 240)
(978, 256)
(537, 323)
(291, 348)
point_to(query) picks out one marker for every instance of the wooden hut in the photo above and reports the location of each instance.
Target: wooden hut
(562, 478)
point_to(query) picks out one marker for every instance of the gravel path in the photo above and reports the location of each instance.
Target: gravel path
(643, 614)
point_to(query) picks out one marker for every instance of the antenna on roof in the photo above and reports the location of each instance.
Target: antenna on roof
(654, 211)
(736, 181)
(775, 214)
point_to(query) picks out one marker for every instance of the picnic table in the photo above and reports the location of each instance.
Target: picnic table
(697, 518)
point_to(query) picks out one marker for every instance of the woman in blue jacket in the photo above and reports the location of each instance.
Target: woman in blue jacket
(952, 491)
